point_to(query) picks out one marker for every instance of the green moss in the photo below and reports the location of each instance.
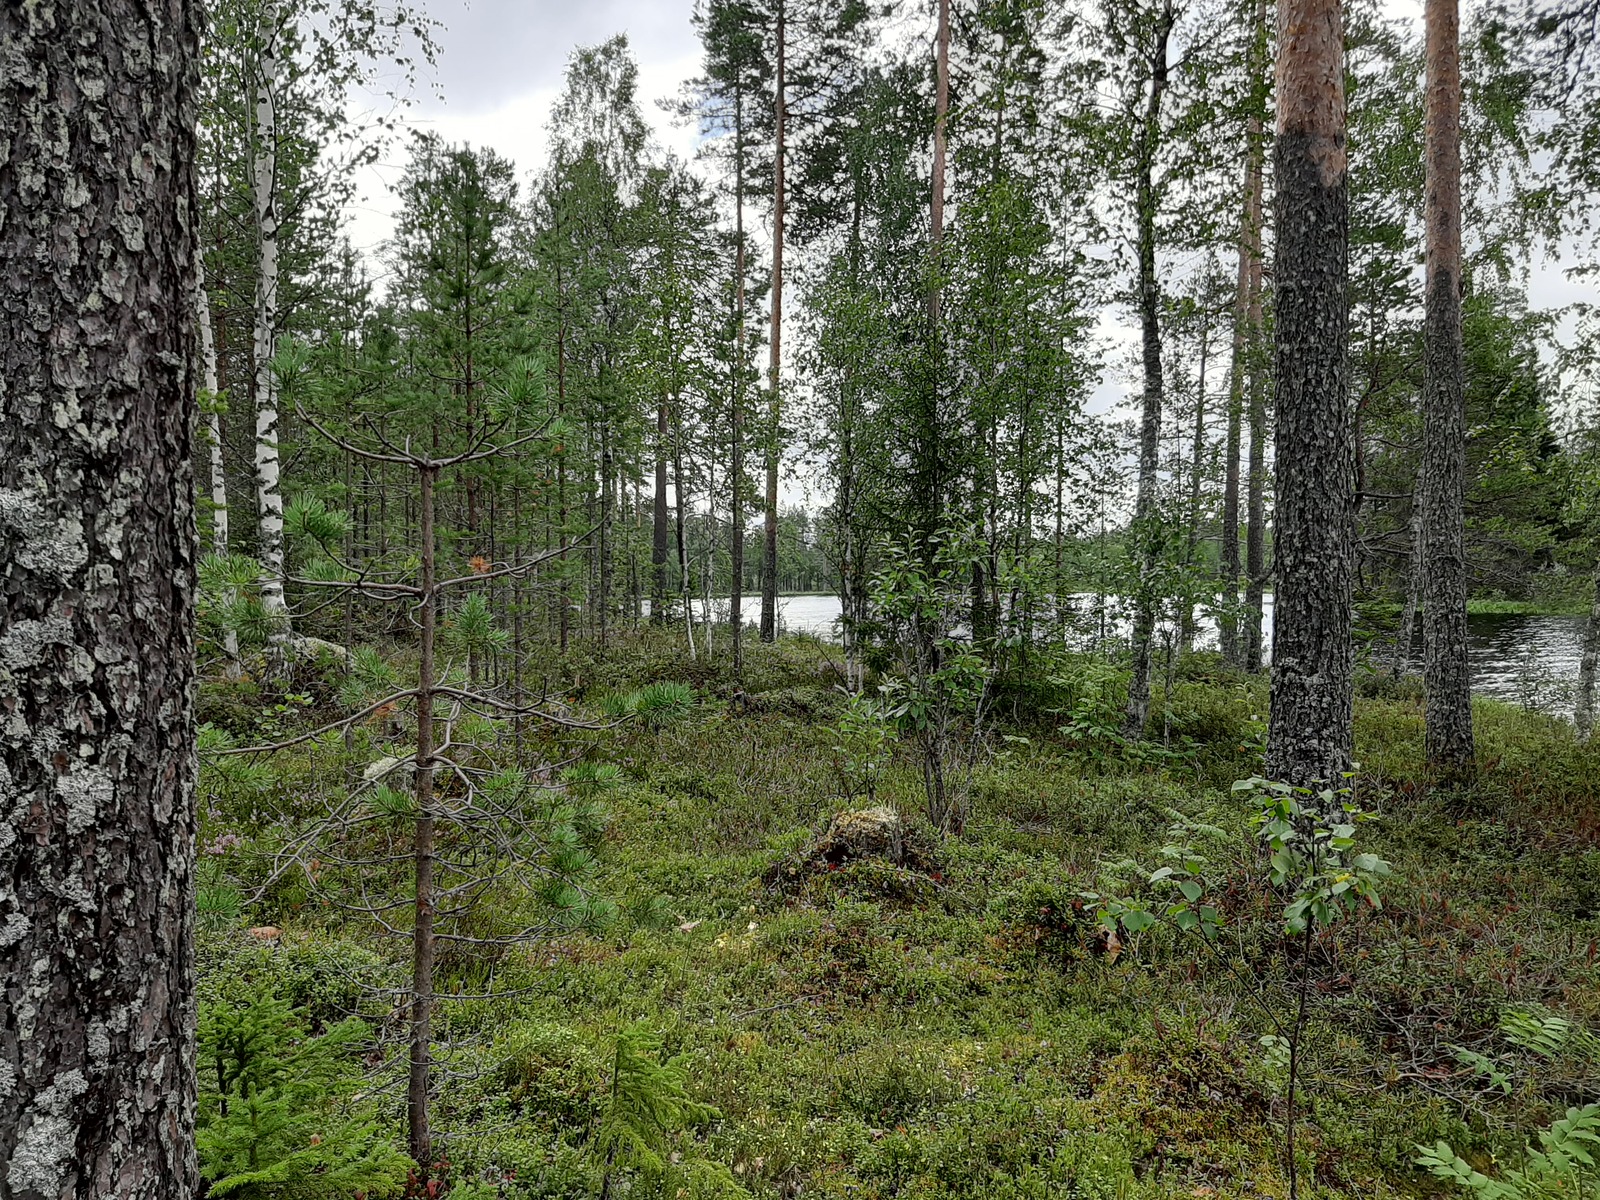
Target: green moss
(878, 1032)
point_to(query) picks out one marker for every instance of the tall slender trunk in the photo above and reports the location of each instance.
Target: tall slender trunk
(1309, 736)
(98, 374)
(1589, 665)
(774, 438)
(213, 414)
(680, 508)
(264, 173)
(1255, 360)
(660, 531)
(736, 399)
(1448, 740)
(1401, 662)
(420, 1137)
(1196, 454)
(1244, 363)
(1147, 534)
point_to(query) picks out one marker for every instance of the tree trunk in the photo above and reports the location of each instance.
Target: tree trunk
(661, 529)
(1146, 518)
(736, 402)
(1448, 741)
(420, 1137)
(769, 556)
(1197, 448)
(208, 386)
(264, 164)
(1590, 663)
(1244, 366)
(1310, 732)
(1401, 662)
(98, 227)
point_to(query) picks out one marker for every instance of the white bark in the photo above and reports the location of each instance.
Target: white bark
(264, 163)
(208, 384)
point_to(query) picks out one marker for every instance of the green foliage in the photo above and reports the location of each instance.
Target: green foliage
(1562, 1167)
(280, 1114)
(471, 629)
(648, 1105)
(861, 746)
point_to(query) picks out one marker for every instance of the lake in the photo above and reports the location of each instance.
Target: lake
(1526, 660)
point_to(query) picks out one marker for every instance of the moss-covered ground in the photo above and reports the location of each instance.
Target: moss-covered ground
(968, 1030)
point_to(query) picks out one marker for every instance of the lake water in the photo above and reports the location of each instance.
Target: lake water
(1527, 660)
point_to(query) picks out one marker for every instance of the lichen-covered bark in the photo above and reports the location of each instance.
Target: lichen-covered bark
(97, 546)
(1448, 741)
(1310, 732)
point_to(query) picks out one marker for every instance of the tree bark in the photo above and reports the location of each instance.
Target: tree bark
(736, 401)
(769, 556)
(1146, 517)
(420, 1136)
(264, 164)
(98, 246)
(1246, 341)
(1448, 740)
(660, 529)
(1589, 665)
(1309, 735)
(1255, 559)
(208, 386)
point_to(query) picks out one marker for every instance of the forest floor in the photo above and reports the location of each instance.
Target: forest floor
(958, 1025)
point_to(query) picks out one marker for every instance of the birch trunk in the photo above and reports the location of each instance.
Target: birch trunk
(208, 385)
(98, 229)
(1309, 735)
(1448, 741)
(264, 172)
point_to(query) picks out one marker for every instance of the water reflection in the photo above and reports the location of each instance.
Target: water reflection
(1526, 660)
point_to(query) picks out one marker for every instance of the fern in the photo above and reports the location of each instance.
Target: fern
(1562, 1168)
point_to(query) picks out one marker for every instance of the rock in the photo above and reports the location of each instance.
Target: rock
(378, 771)
(311, 649)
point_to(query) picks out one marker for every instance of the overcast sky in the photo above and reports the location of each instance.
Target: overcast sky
(500, 69)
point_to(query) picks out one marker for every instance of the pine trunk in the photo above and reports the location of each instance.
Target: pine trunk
(420, 1136)
(1589, 666)
(1246, 334)
(1255, 562)
(1146, 516)
(660, 527)
(1310, 731)
(1448, 741)
(98, 227)
(769, 554)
